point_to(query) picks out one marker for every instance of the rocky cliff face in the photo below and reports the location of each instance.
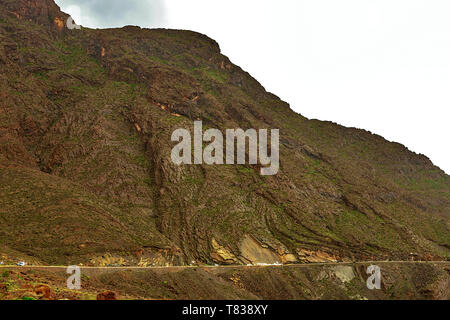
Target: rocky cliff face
(86, 118)
(45, 12)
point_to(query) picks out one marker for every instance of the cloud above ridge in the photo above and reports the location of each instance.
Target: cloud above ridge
(115, 13)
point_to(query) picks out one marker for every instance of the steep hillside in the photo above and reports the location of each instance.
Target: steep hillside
(86, 118)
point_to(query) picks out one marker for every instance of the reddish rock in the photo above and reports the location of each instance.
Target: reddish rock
(107, 295)
(44, 291)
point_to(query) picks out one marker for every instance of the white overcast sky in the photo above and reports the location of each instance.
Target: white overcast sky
(381, 65)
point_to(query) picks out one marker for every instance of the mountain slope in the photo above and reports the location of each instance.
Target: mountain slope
(86, 118)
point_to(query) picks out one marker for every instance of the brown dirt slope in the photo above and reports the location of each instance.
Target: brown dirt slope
(429, 281)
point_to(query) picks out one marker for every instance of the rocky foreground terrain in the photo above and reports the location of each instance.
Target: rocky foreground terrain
(86, 118)
(411, 280)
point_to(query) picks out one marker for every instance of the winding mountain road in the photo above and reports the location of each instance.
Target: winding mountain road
(178, 268)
